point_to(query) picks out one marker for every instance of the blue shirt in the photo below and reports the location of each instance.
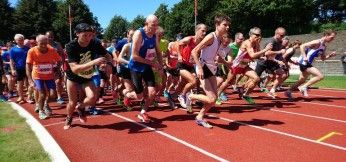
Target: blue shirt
(6, 58)
(147, 51)
(18, 55)
(121, 44)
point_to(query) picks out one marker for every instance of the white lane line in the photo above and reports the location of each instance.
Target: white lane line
(173, 138)
(47, 141)
(62, 122)
(306, 115)
(333, 90)
(282, 133)
(315, 103)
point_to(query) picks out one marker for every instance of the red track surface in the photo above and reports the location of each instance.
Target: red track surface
(273, 130)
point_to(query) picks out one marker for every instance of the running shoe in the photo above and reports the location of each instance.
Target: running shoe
(30, 101)
(37, 108)
(166, 94)
(81, 115)
(68, 123)
(288, 94)
(3, 98)
(182, 100)
(240, 92)
(248, 99)
(47, 110)
(304, 91)
(203, 123)
(60, 101)
(264, 89)
(188, 103)
(218, 101)
(144, 117)
(119, 101)
(223, 96)
(100, 101)
(42, 115)
(94, 111)
(272, 95)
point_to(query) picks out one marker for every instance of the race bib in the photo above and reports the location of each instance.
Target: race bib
(87, 73)
(45, 69)
(150, 55)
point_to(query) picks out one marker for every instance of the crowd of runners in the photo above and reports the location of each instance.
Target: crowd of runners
(137, 70)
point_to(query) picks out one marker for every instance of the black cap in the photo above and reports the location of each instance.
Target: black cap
(83, 27)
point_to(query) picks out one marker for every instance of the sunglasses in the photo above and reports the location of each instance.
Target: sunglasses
(256, 34)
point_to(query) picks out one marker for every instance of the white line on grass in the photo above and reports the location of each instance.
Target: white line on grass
(46, 140)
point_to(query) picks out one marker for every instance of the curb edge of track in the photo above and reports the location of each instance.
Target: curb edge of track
(47, 141)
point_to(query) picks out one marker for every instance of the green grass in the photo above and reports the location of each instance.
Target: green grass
(338, 82)
(17, 141)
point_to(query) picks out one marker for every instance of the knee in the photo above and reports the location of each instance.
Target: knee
(212, 99)
(320, 77)
(256, 79)
(193, 81)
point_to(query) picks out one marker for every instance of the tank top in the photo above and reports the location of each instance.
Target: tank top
(242, 60)
(147, 51)
(209, 53)
(312, 53)
(186, 52)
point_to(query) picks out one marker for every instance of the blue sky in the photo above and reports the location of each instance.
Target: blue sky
(105, 10)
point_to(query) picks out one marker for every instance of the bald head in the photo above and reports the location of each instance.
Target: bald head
(41, 38)
(151, 18)
(280, 33)
(151, 24)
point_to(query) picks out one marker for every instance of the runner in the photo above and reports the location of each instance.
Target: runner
(205, 56)
(59, 74)
(186, 64)
(18, 55)
(270, 64)
(41, 65)
(82, 58)
(144, 48)
(222, 69)
(309, 51)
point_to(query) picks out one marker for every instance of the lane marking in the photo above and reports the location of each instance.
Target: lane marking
(172, 138)
(75, 119)
(344, 107)
(282, 133)
(328, 136)
(47, 141)
(332, 90)
(311, 116)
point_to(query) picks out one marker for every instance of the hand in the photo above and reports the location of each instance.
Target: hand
(332, 54)
(200, 73)
(14, 73)
(282, 51)
(100, 60)
(180, 59)
(281, 63)
(269, 46)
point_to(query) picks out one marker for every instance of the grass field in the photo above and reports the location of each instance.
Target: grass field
(17, 141)
(338, 82)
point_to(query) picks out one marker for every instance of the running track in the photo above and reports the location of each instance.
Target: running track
(273, 130)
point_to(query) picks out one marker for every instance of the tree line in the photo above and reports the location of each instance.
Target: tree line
(30, 17)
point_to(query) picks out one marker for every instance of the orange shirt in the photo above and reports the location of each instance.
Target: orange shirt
(43, 63)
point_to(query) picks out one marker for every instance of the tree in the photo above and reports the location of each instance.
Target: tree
(80, 13)
(32, 16)
(6, 12)
(162, 14)
(331, 11)
(116, 28)
(137, 22)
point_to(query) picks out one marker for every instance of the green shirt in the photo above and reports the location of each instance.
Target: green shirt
(235, 49)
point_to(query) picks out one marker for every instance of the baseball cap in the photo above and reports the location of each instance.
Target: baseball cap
(83, 27)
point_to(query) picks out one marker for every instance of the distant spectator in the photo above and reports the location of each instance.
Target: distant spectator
(343, 58)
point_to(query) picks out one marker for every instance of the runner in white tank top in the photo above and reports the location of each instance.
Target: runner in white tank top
(204, 55)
